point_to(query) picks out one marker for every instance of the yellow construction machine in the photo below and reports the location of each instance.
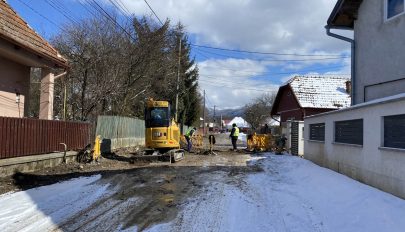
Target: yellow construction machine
(260, 142)
(162, 135)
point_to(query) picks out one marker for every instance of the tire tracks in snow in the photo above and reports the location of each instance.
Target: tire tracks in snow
(288, 199)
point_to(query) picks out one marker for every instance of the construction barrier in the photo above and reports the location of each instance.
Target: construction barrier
(260, 142)
(196, 140)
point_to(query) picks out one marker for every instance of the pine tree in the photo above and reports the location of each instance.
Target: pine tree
(189, 101)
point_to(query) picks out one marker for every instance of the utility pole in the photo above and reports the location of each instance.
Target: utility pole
(214, 117)
(178, 79)
(214, 113)
(221, 122)
(204, 115)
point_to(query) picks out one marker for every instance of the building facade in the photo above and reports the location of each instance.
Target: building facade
(367, 141)
(21, 48)
(379, 45)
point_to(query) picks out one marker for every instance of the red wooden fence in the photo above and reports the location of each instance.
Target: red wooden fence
(24, 136)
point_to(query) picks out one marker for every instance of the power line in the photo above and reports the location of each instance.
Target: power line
(122, 6)
(237, 86)
(225, 82)
(47, 19)
(255, 72)
(153, 12)
(118, 7)
(258, 52)
(277, 73)
(60, 10)
(112, 19)
(87, 9)
(280, 60)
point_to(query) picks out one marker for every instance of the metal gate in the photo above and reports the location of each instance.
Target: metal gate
(294, 137)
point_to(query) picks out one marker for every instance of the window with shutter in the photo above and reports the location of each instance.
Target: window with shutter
(394, 131)
(350, 131)
(317, 132)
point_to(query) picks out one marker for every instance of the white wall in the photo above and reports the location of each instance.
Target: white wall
(370, 163)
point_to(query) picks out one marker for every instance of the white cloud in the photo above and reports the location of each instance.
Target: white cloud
(229, 83)
(266, 25)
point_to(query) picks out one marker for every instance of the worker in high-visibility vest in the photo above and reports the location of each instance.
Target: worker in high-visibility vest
(234, 136)
(188, 135)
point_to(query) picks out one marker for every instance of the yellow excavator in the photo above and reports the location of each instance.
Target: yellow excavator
(162, 135)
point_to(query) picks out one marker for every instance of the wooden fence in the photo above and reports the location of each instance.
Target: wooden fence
(24, 136)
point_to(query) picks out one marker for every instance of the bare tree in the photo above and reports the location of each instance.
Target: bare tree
(259, 110)
(113, 72)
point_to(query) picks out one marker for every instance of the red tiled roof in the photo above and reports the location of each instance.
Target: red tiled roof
(14, 29)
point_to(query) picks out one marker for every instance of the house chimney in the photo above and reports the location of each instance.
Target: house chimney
(348, 87)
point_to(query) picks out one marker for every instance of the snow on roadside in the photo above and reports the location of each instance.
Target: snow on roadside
(242, 137)
(43, 208)
(331, 201)
(292, 194)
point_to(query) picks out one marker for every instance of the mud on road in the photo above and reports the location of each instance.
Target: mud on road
(146, 196)
(143, 195)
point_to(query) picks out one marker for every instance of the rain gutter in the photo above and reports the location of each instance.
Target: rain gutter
(353, 55)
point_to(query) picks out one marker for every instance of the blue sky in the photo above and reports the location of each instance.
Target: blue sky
(230, 79)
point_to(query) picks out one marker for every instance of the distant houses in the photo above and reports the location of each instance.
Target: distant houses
(367, 140)
(239, 121)
(21, 48)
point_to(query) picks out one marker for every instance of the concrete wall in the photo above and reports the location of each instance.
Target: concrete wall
(380, 52)
(370, 163)
(25, 164)
(13, 77)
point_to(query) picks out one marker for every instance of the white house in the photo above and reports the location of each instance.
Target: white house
(239, 121)
(367, 140)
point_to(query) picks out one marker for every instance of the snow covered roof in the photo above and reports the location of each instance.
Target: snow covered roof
(321, 92)
(239, 121)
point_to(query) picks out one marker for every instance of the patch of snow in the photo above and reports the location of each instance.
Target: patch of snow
(44, 208)
(242, 137)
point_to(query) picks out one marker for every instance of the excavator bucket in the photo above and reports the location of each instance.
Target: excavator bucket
(176, 155)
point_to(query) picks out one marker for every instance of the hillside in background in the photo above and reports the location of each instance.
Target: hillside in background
(227, 113)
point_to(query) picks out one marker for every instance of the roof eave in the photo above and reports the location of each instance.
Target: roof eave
(59, 63)
(344, 14)
(273, 111)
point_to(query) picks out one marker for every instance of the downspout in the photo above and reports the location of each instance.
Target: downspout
(64, 93)
(353, 56)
